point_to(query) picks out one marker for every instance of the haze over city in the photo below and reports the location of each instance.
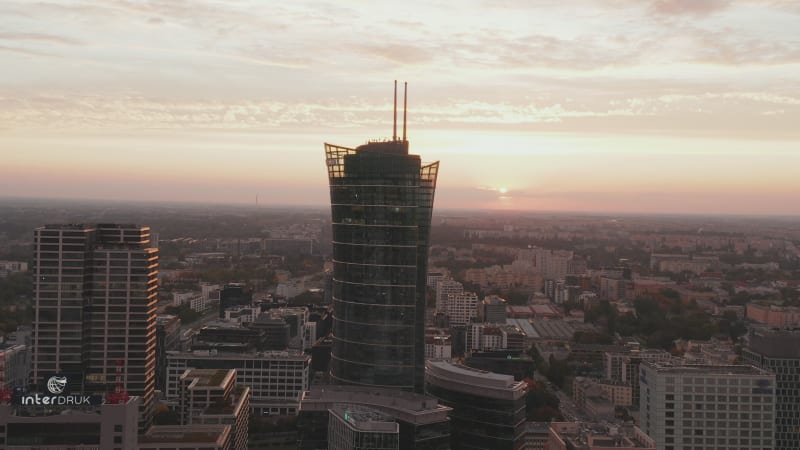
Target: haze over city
(621, 106)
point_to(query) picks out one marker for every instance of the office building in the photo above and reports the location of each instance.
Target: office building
(88, 427)
(702, 406)
(461, 308)
(95, 294)
(276, 379)
(212, 397)
(622, 366)
(488, 408)
(381, 206)
(422, 422)
(234, 294)
(493, 309)
(360, 428)
(445, 287)
(779, 352)
(15, 364)
(597, 436)
(168, 329)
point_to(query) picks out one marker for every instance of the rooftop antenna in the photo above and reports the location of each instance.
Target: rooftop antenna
(405, 107)
(394, 129)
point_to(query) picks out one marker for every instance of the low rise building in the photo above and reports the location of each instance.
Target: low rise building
(594, 436)
(358, 427)
(212, 397)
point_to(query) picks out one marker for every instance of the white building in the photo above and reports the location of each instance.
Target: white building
(460, 308)
(15, 365)
(7, 267)
(703, 406)
(438, 346)
(276, 379)
(443, 289)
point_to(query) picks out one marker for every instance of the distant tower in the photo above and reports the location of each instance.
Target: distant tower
(95, 295)
(381, 205)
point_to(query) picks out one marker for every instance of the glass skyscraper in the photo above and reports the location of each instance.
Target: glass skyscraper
(381, 205)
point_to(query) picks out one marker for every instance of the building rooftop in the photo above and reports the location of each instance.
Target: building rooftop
(209, 378)
(463, 378)
(775, 344)
(678, 367)
(407, 406)
(366, 419)
(186, 434)
(595, 436)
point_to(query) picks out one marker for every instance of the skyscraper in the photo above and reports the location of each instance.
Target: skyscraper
(381, 205)
(95, 295)
(779, 352)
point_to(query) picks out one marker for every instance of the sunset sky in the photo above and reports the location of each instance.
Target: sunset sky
(580, 105)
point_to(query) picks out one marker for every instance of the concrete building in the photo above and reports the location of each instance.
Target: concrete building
(438, 344)
(702, 406)
(168, 329)
(596, 436)
(107, 426)
(212, 397)
(8, 267)
(444, 288)
(460, 308)
(15, 366)
(186, 437)
(488, 408)
(779, 352)
(276, 379)
(423, 422)
(774, 316)
(622, 366)
(95, 295)
(361, 428)
(483, 337)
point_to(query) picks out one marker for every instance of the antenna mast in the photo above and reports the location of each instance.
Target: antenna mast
(405, 107)
(394, 129)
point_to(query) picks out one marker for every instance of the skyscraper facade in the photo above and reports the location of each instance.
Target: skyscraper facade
(778, 351)
(381, 205)
(95, 295)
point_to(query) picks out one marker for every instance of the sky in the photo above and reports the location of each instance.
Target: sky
(662, 106)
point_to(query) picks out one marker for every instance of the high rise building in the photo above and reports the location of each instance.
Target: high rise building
(703, 406)
(381, 205)
(95, 295)
(779, 353)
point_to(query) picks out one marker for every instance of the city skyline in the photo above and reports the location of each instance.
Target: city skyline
(670, 106)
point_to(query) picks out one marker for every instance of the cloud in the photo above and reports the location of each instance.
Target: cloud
(23, 51)
(399, 53)
(39, 37)
(689, 7)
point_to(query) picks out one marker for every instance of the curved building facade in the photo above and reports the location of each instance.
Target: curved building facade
(381, 206)
(488, 408)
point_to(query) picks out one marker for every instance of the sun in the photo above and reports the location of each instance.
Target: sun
(503, 190)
